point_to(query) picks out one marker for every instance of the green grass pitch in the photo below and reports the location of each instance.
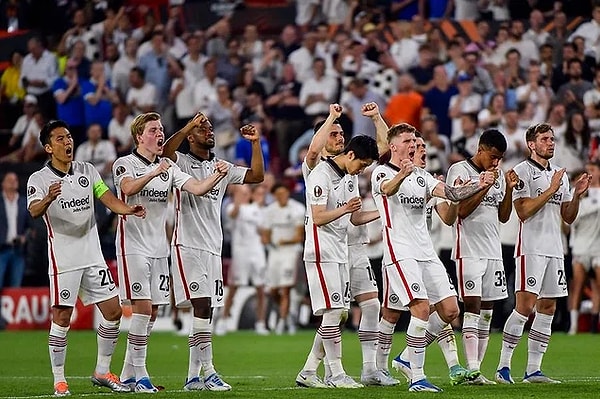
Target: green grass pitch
(265, 367)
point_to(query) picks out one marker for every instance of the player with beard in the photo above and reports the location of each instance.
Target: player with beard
(198, 239)
(63, 193)
(142, 249)
(413, 274)
(543, 201)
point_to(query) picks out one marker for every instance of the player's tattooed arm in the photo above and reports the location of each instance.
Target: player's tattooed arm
(459, 193)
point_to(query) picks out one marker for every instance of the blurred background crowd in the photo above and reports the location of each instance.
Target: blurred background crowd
(451, 68)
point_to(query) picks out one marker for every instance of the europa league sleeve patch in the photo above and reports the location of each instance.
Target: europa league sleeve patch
(318, 191)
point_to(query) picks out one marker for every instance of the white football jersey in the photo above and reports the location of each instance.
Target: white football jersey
(147, 236)
(478, 235)
(541, 233)
(283, 221)
(245, 233)
(405, 231)
(585, 230)
(198, 218)
(73, 241)
(327, 185)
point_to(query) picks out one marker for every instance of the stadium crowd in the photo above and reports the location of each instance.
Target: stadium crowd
(405, 61)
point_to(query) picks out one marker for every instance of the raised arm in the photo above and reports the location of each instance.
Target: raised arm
(320, 138)
(173, 142)
(459, 193)
(505, 208)
(256, 173)
(371, 110)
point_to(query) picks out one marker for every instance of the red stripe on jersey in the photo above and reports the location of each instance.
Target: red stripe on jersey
(124, 258)
(177, 216)
(53, 264)
(386, 290)
(319, 269)
(461, 278)
(522, 265)
(389, 244)
(181, 273)
(386, 209)
(458, 224)
(406, 288)
(520, 239)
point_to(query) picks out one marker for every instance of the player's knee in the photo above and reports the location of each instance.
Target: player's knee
(333, 317)
(370, 307)
(113, 314)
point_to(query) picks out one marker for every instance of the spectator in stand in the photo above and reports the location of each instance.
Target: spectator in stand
(243, 148)
(438, 146)
(557, 118)
(288, 40)
(284, 105)
(224, 115)
(303, 58)
(571, 93)
(513, 71)
(437, 99)
(560, 75)
(100, 153)
(465, 146)
(306, 13)
(516, 151)
(218, 35)
(501, 86)
(574, 149)
(99, 97)
(82, 63)
(38, 73)
(359, 95)
(11, 91)
(205, 90)
(404, 50)
(406, 106)
(423, 71)
(354, 64)
(492, 115)
(547, 63)
(27, 130)
(230, 64)
(536, 32)
(325, 48)
(70, 106)
(588, 59)
(485, 44)
(14, 222)
(111, 55)
(482, 81)
(246, 83)
(439, 47)
(465, 102)
(182, 93)
(142, 95)
(591, 100)
(528, 50)
(122, 68)
(464, 9)
(154, 64)
(194, 59)
(251, 47)
(318, 91)
(119, 130)
(455, 61)
(558, 36)
(590, 31)
(535, 92)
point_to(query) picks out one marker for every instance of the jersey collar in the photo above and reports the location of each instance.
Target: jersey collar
(393, 167)
(211, 156)
(57, 172)
(538, 165)
(335, 167)
(145, 160)
(472, 164)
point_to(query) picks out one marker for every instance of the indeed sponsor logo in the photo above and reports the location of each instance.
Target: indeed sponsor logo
(74, 202)
(414, 201)
(155, 194)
